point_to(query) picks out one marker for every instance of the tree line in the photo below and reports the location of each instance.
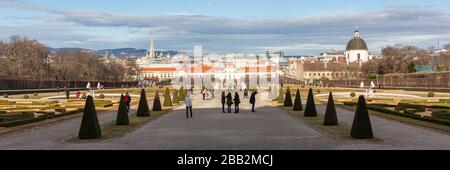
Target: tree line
(400, 59)
(22, 57)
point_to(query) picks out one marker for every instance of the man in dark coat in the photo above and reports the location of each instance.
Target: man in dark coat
(237, 101)
(253, 100)
(245, 94)
(223, 102)
(229, 102)
(67, 92)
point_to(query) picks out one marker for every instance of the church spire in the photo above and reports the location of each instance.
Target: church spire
(151, 50)
(357, 34)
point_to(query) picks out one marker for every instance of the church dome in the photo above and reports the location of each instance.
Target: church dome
(356, 43)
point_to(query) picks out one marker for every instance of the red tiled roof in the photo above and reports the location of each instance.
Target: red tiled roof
(257, 69)
(159, 69)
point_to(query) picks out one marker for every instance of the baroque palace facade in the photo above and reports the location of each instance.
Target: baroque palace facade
(224, 71)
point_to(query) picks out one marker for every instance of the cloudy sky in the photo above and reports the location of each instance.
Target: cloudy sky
(293, 26)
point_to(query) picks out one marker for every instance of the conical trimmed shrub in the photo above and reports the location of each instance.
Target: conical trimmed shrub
(176, 97)
(281, 96)
(362, 128)
(288, 98)
(157, 103)
(181, 95)
(143, 110)
(90, 128)
(310, 110)
(298, 102)
(122, 113)
(167, 98)
(330, 114)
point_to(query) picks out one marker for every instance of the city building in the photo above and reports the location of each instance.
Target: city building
(230, 70)
(332, 56)
(356, 49)
(154, 66)
(314, 71)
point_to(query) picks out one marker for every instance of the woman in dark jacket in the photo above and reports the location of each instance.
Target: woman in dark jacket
(223, 101)
(229, 102)
(237, 101)
(253, 100)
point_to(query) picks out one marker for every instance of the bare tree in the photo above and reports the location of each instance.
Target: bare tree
(398, 59)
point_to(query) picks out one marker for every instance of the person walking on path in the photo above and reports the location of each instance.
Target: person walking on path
(253, 100)
(128, 101)
(223, 102)
(188, 102)
(67, 92)
(245, 94)
(237, 101)
(229, 102)
(204, 93)
(77, 94)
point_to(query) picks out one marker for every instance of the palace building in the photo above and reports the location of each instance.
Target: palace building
(232, 70)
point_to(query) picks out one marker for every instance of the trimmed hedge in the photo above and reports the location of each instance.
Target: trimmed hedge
(157, 103)
(288, 98)
(330, 118)
(350, 103)
(20, 122)
(362, 127)
(410, 114)
(167, 98)
(176, 97)
(298, 102)
(122, 113)
(280, 98)
(90, 127)
(66, 113)
(46, 114)
(11, 116)
(143, 110)
(441, 113)
(430, 94)
(310, 109)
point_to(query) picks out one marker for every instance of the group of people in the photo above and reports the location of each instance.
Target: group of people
(226, 100)
(229, 101)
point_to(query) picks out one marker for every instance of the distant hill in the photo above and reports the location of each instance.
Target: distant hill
(118, 52)
(69, 49)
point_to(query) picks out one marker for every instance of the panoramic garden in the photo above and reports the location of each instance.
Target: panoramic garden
(423, 108)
